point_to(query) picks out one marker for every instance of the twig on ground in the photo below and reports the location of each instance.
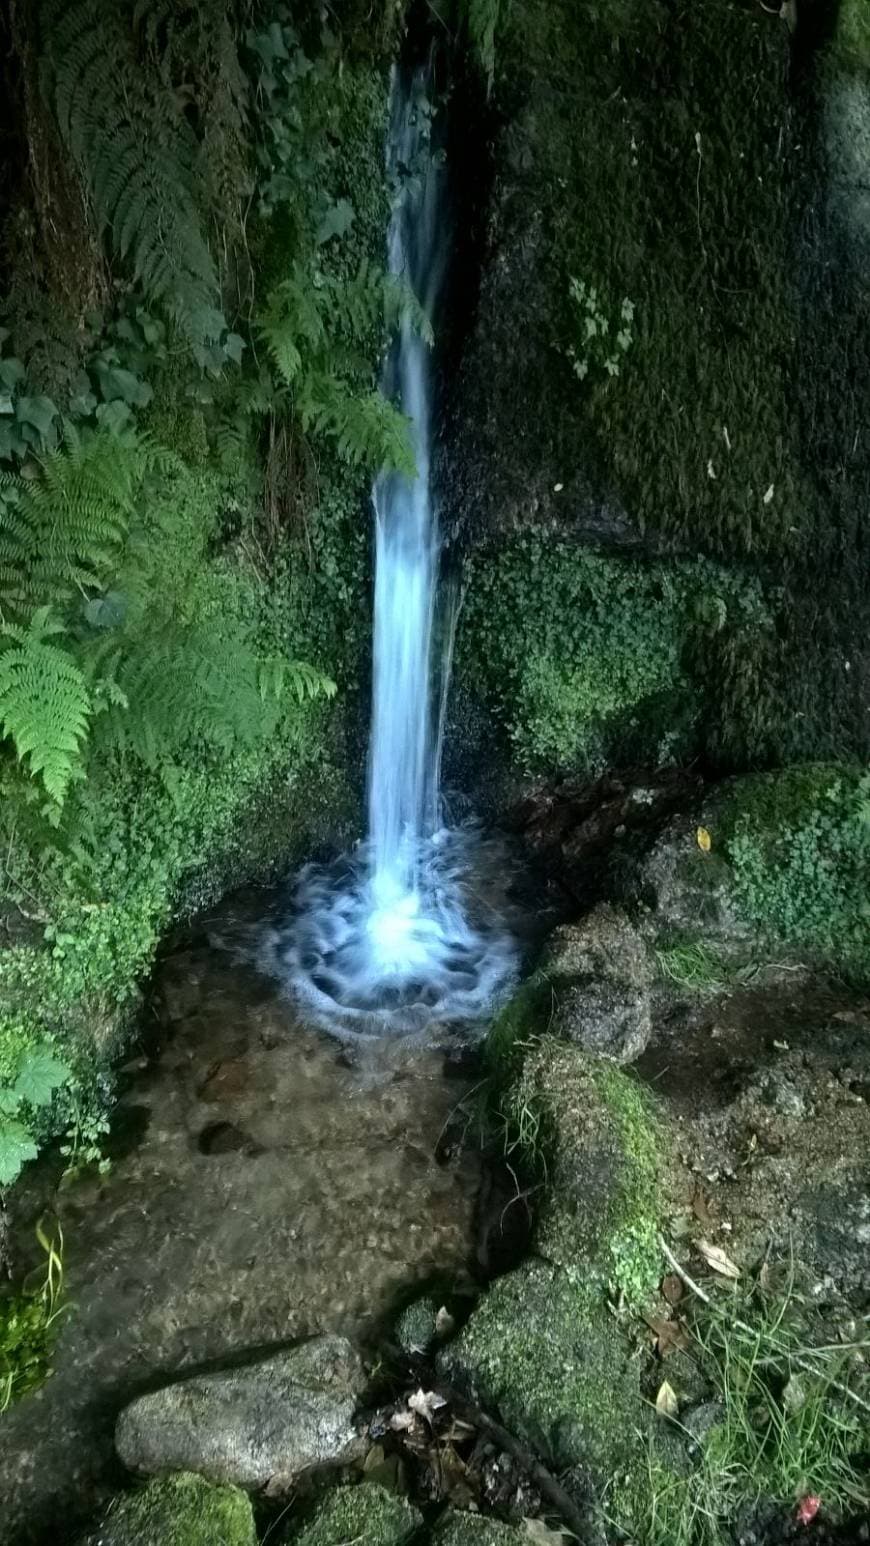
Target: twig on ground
(801, 1360)
(546, 1483)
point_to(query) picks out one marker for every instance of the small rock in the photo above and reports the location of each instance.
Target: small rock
(257, 1426)
(603, 977)
(700, 1420)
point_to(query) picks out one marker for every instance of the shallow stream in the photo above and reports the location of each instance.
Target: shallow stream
(267, 1183)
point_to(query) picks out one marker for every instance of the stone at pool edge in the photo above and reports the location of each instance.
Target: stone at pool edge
(474, 1530)
(365, 1513)
(602, 977)
(257, 1425)
(183, 1510)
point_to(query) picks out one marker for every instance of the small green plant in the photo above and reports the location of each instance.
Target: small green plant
(38, 1075)
(28, 1324)
(692, 965)
(602, 340)
(787, 1429)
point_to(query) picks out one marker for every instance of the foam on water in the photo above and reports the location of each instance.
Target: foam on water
(390, 937)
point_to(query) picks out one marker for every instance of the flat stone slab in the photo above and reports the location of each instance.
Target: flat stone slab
(258, 1426)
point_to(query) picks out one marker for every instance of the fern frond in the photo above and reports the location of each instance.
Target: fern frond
(45, 707)
(61, 530)
(368, 429)
(275, 674)
(138, 160)
(482, 19)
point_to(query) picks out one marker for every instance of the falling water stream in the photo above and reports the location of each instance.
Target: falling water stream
(395, 937)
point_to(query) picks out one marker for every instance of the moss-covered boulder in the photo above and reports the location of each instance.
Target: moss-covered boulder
(543, 1347)
(544, 1352)
(361, 1513)
(180, 1510)
(599, 1142)
(782, 866)
(473, 1530)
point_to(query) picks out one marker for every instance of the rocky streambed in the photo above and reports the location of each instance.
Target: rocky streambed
(421, 1296)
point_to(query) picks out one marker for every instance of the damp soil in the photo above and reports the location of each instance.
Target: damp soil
(266, 1184)
(767, 1090)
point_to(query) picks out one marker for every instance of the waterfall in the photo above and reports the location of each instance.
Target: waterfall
(403, 794)
(398, 936)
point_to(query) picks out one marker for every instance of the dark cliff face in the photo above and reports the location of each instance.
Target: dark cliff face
(669, 355)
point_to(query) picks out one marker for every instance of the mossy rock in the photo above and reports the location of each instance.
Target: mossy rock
(549, 1358)
(787, 873)
(416, 1329)
(358, 1513)
(180, 1510)
(473, 1530)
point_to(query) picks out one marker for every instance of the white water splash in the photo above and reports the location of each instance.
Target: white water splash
(384, 940)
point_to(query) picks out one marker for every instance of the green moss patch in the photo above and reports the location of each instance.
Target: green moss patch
(181, 1510)
(361, 1513)
(798, 843)
(589, 659)
(600, 1142)
(553, 1362)
(472, 1530)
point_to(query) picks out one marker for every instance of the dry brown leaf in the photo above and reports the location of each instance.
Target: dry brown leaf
(716, 1258)
(426, 1403)
(670, 1336)
(542, 1535)
(444, 1322)
(667, 1404)
(672, 1288)
(705, 842)
(701, 1209)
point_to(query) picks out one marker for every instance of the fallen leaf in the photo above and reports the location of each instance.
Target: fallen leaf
(794, 1394)
(444, 1322)
(768, 496)
(537, 1531)
(670, 1336)
(781, 1046)
(667, 1404)
(808, 1509)
(701, 1209)
(705, 842)
(402, 1422)
(716, 1258)
(672, 1288)
(711, 471)
(426, 1403)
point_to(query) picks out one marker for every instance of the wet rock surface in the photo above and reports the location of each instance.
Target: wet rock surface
(603, 974)
(265, 1187)
(258, 1426)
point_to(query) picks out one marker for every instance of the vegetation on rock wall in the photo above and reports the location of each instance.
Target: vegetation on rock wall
(798, 843)
(591, 659)
(187, 429)
(692, 357)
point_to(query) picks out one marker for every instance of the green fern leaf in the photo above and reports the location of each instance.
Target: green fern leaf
(45, 707)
